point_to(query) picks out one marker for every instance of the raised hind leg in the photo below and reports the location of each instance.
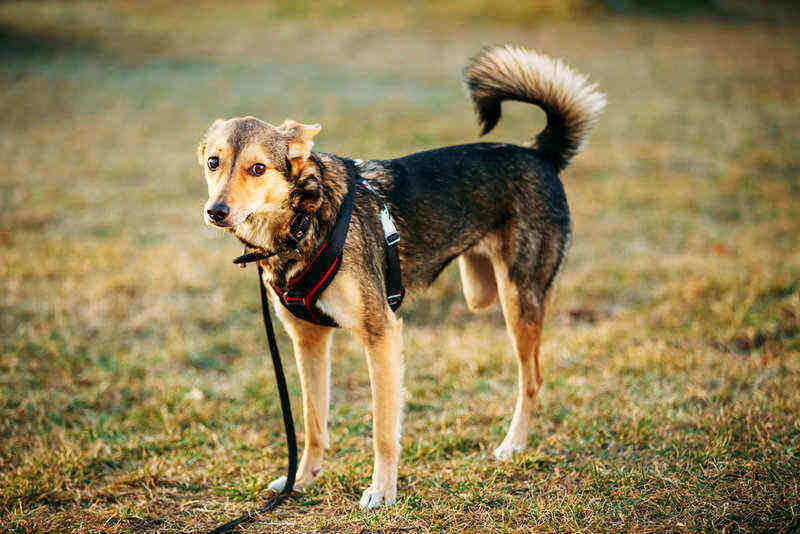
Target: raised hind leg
(477, 279)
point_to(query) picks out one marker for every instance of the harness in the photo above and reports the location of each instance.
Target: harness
(301, 292)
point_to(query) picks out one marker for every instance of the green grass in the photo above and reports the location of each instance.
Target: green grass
(134, 390)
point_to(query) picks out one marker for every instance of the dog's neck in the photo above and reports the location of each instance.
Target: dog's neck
(318, 192)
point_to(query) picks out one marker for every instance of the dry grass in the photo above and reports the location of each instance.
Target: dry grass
(134, 392)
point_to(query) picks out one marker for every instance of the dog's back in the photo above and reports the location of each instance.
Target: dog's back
(449, 199)
(452, 199)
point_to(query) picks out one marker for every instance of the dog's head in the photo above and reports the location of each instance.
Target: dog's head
(250, 166)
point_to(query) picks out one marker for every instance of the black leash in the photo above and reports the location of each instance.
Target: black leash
(286, 407)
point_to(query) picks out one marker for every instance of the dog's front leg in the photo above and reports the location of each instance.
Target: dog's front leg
(312, 346)
(383, 341)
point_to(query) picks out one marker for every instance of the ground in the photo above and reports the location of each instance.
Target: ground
(135, 391)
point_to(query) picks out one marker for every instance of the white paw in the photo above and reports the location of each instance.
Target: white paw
(372, 498)
(507, 451)
(278, 484)
(301, 483)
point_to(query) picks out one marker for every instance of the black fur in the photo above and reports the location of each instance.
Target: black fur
(446, 200)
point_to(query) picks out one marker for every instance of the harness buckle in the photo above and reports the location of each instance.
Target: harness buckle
(294, 302)
(389, 228)
(394, 298)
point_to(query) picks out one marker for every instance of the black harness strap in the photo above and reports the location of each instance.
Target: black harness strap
(302, 292)
(394, 276)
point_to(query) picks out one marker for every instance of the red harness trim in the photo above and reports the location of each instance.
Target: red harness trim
(316, 287)
(297, 277)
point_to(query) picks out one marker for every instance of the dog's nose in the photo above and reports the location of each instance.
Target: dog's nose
(218, 212)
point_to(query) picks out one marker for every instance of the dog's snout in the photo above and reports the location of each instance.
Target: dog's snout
(218, 212)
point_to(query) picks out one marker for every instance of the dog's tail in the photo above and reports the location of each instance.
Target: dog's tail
(571, 103)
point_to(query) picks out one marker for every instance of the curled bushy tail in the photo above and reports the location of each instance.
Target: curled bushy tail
(571, 103)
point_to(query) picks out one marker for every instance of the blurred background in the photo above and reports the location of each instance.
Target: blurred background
(134, 390)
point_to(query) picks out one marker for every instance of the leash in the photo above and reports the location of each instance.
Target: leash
(286, 407)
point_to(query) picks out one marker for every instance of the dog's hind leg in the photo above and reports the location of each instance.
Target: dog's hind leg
(312, 345)
(477, 280)
(524, 313)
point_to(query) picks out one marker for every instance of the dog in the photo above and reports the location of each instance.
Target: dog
(499, 208)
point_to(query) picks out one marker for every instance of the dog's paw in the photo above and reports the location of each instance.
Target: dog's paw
(279, 483)
(506, 451)
(372, 498)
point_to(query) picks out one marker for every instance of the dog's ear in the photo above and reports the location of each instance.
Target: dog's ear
(201, 147)
(298, 142)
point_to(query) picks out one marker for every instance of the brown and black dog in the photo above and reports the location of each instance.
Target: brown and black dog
(499, 208)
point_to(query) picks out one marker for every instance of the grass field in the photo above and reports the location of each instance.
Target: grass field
(135, 393)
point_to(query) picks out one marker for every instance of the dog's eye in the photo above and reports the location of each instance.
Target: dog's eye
(213, 163)
(258, 169)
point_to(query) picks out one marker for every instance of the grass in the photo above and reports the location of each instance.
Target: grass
(134, 390)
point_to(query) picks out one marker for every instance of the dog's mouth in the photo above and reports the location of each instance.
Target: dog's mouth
(221, 226)
(230, 221)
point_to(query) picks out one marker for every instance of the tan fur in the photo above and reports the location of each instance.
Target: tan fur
(300, 142)
(477, 280)
(525, 334)
(236, 187)
(312, 352)
(385, 364)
